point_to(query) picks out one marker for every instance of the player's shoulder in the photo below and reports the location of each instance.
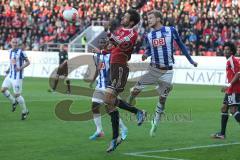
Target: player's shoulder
(236, 59)
(22, 52)
(172, 29)
(233, 61)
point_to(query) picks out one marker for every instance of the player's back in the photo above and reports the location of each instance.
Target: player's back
(160, 44)
(103, 64)
(17, 57)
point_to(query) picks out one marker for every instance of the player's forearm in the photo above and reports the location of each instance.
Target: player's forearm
(147, 51)
(235, 79)
(185, 51)
(27, 63)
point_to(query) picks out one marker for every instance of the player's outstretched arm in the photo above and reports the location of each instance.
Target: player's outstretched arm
(183, 47)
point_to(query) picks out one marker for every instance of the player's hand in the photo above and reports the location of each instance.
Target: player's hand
(223, 89)
(195, 64)
(144, 57)
(61, 66)
(6, 73)
(96, 50)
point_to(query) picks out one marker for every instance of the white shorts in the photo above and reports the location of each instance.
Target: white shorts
(98, 96)
(161, 78)
(15, 84)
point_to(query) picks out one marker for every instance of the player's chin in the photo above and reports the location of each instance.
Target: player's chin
(151, 25)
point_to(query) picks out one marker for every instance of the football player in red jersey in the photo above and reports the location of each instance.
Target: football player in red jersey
(232, 90)
(123, 39)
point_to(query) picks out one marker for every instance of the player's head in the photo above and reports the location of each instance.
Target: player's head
(62, 47)
(102, 42)
(155, 17)
(130, 18)
(229, 49)
(14, 43)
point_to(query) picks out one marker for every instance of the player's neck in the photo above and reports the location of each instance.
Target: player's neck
(14, 49)
(158, 26)
(127, 27)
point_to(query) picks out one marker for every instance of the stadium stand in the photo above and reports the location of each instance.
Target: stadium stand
(203, 24)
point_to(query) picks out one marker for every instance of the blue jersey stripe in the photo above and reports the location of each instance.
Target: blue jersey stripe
(100, 77)
(104, 72)
(164, 47)
(155, 50)
(10, 64)
(21, 63)
(103, 77)
(15, 65)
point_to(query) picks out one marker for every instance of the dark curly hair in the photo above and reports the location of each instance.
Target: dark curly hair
(231, 46)
(134, 16)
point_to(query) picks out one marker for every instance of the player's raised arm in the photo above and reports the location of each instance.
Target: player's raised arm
(182, 46)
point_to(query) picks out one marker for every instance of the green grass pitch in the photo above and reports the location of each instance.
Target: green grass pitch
(192, 115)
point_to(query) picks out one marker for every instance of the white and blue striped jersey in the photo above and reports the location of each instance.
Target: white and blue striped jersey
(159, 45)
(17, 58)
(103, 65)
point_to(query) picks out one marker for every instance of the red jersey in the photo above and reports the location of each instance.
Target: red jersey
(124, 41)
(233, 67)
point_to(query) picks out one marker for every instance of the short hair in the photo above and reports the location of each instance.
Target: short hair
(134, 16)
(231, 46)
(157, 14)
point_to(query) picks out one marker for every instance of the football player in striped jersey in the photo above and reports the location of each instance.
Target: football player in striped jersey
(14, 78)
(159, 46)
(102, 62)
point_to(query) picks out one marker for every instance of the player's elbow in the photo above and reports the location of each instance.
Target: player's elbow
(28, 63)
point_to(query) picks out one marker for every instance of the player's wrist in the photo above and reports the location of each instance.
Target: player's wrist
(228, 85)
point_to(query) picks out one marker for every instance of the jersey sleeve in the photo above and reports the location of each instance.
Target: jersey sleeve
(181, 45)
(148, 48)
(236, 66)
(23, 55)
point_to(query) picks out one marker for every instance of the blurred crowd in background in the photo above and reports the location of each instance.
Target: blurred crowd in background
(204, 25)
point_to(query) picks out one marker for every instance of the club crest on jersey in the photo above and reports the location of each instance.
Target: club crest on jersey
(158, 42)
